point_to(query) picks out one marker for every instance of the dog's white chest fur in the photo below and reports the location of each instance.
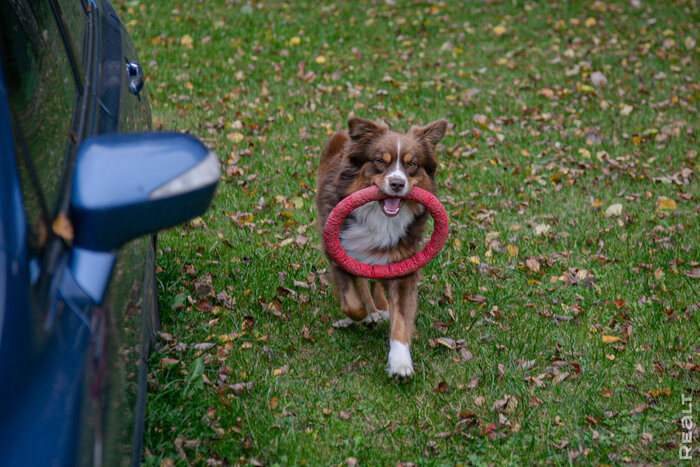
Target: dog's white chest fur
(368, 229)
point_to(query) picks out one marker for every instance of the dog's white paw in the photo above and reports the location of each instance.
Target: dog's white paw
(376, 317)
(399, 364)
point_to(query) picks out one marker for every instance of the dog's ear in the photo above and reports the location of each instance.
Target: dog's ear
(359, 128)
(432, 133)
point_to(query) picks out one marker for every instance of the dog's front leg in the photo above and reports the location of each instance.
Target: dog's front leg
(402, 308)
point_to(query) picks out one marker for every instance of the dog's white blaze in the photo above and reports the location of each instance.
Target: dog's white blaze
(370, 229)
(396, 172)
(399, 362)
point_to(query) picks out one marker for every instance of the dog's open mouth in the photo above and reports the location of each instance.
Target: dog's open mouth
(391, 206)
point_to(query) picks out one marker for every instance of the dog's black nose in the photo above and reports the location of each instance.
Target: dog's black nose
(397, 184)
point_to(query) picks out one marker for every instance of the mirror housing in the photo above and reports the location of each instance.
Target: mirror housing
(129, 185)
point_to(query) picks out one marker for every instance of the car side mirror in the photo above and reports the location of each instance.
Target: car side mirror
(128, 185)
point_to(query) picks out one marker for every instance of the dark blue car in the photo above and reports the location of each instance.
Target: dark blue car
(84, 186)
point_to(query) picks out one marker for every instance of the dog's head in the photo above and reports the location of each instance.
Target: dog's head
(393, 161)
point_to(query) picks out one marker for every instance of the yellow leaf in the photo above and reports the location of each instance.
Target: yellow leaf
(295, 40)
(186, 40)
(62, 227)
(512, 251)
(596, 203)
(609, 339)
(499, 30)
(320, 60)
(665, 204)
(236, 137)
(590, 22)
(474, 259)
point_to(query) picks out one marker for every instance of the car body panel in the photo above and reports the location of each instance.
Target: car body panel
(73, 367)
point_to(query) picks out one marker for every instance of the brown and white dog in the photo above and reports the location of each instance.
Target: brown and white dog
(379, 232)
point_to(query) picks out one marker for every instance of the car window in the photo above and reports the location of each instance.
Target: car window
(72, 14)
(41, 92)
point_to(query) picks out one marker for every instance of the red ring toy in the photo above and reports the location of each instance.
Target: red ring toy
(392, 270)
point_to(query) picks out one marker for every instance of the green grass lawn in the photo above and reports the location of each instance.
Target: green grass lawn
(560, 322)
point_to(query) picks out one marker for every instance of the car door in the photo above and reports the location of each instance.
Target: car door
(74, 392)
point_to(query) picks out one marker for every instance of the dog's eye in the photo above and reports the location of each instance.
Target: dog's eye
(380, 162)
(411, 165)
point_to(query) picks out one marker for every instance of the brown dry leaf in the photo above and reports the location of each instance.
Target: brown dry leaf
(561, 377)
(240, 387)
(447, 342)
(693, 273)
(306, 334)
(169, 361)
(562, 444)
(532, 264)
(62, 227)
(474, 382)
(343, 323)
(526, 365)
(506, 405)
(344, 415)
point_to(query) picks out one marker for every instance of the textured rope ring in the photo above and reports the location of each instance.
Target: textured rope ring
(392, 270)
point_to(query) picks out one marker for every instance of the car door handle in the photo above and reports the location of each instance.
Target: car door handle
(134, 76)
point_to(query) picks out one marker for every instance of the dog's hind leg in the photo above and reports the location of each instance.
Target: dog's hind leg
(380, 310)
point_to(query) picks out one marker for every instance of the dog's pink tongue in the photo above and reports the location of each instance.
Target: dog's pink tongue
(392, 205)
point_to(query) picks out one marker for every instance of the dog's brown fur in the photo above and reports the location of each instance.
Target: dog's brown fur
(360, 158)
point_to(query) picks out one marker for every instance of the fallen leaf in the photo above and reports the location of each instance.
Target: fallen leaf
(598, 79)
(613, 210)
(532, 264)
(306, 334)
(543, 229)
(665, 204)
(169, 361)
(499, 30)
(609, 339)
(447, 342)
(506, 405)
(240, 387)
(281, 370)
(693, 273)
(62, 227)
(562, 444)
(186, 40)
(561, 377)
